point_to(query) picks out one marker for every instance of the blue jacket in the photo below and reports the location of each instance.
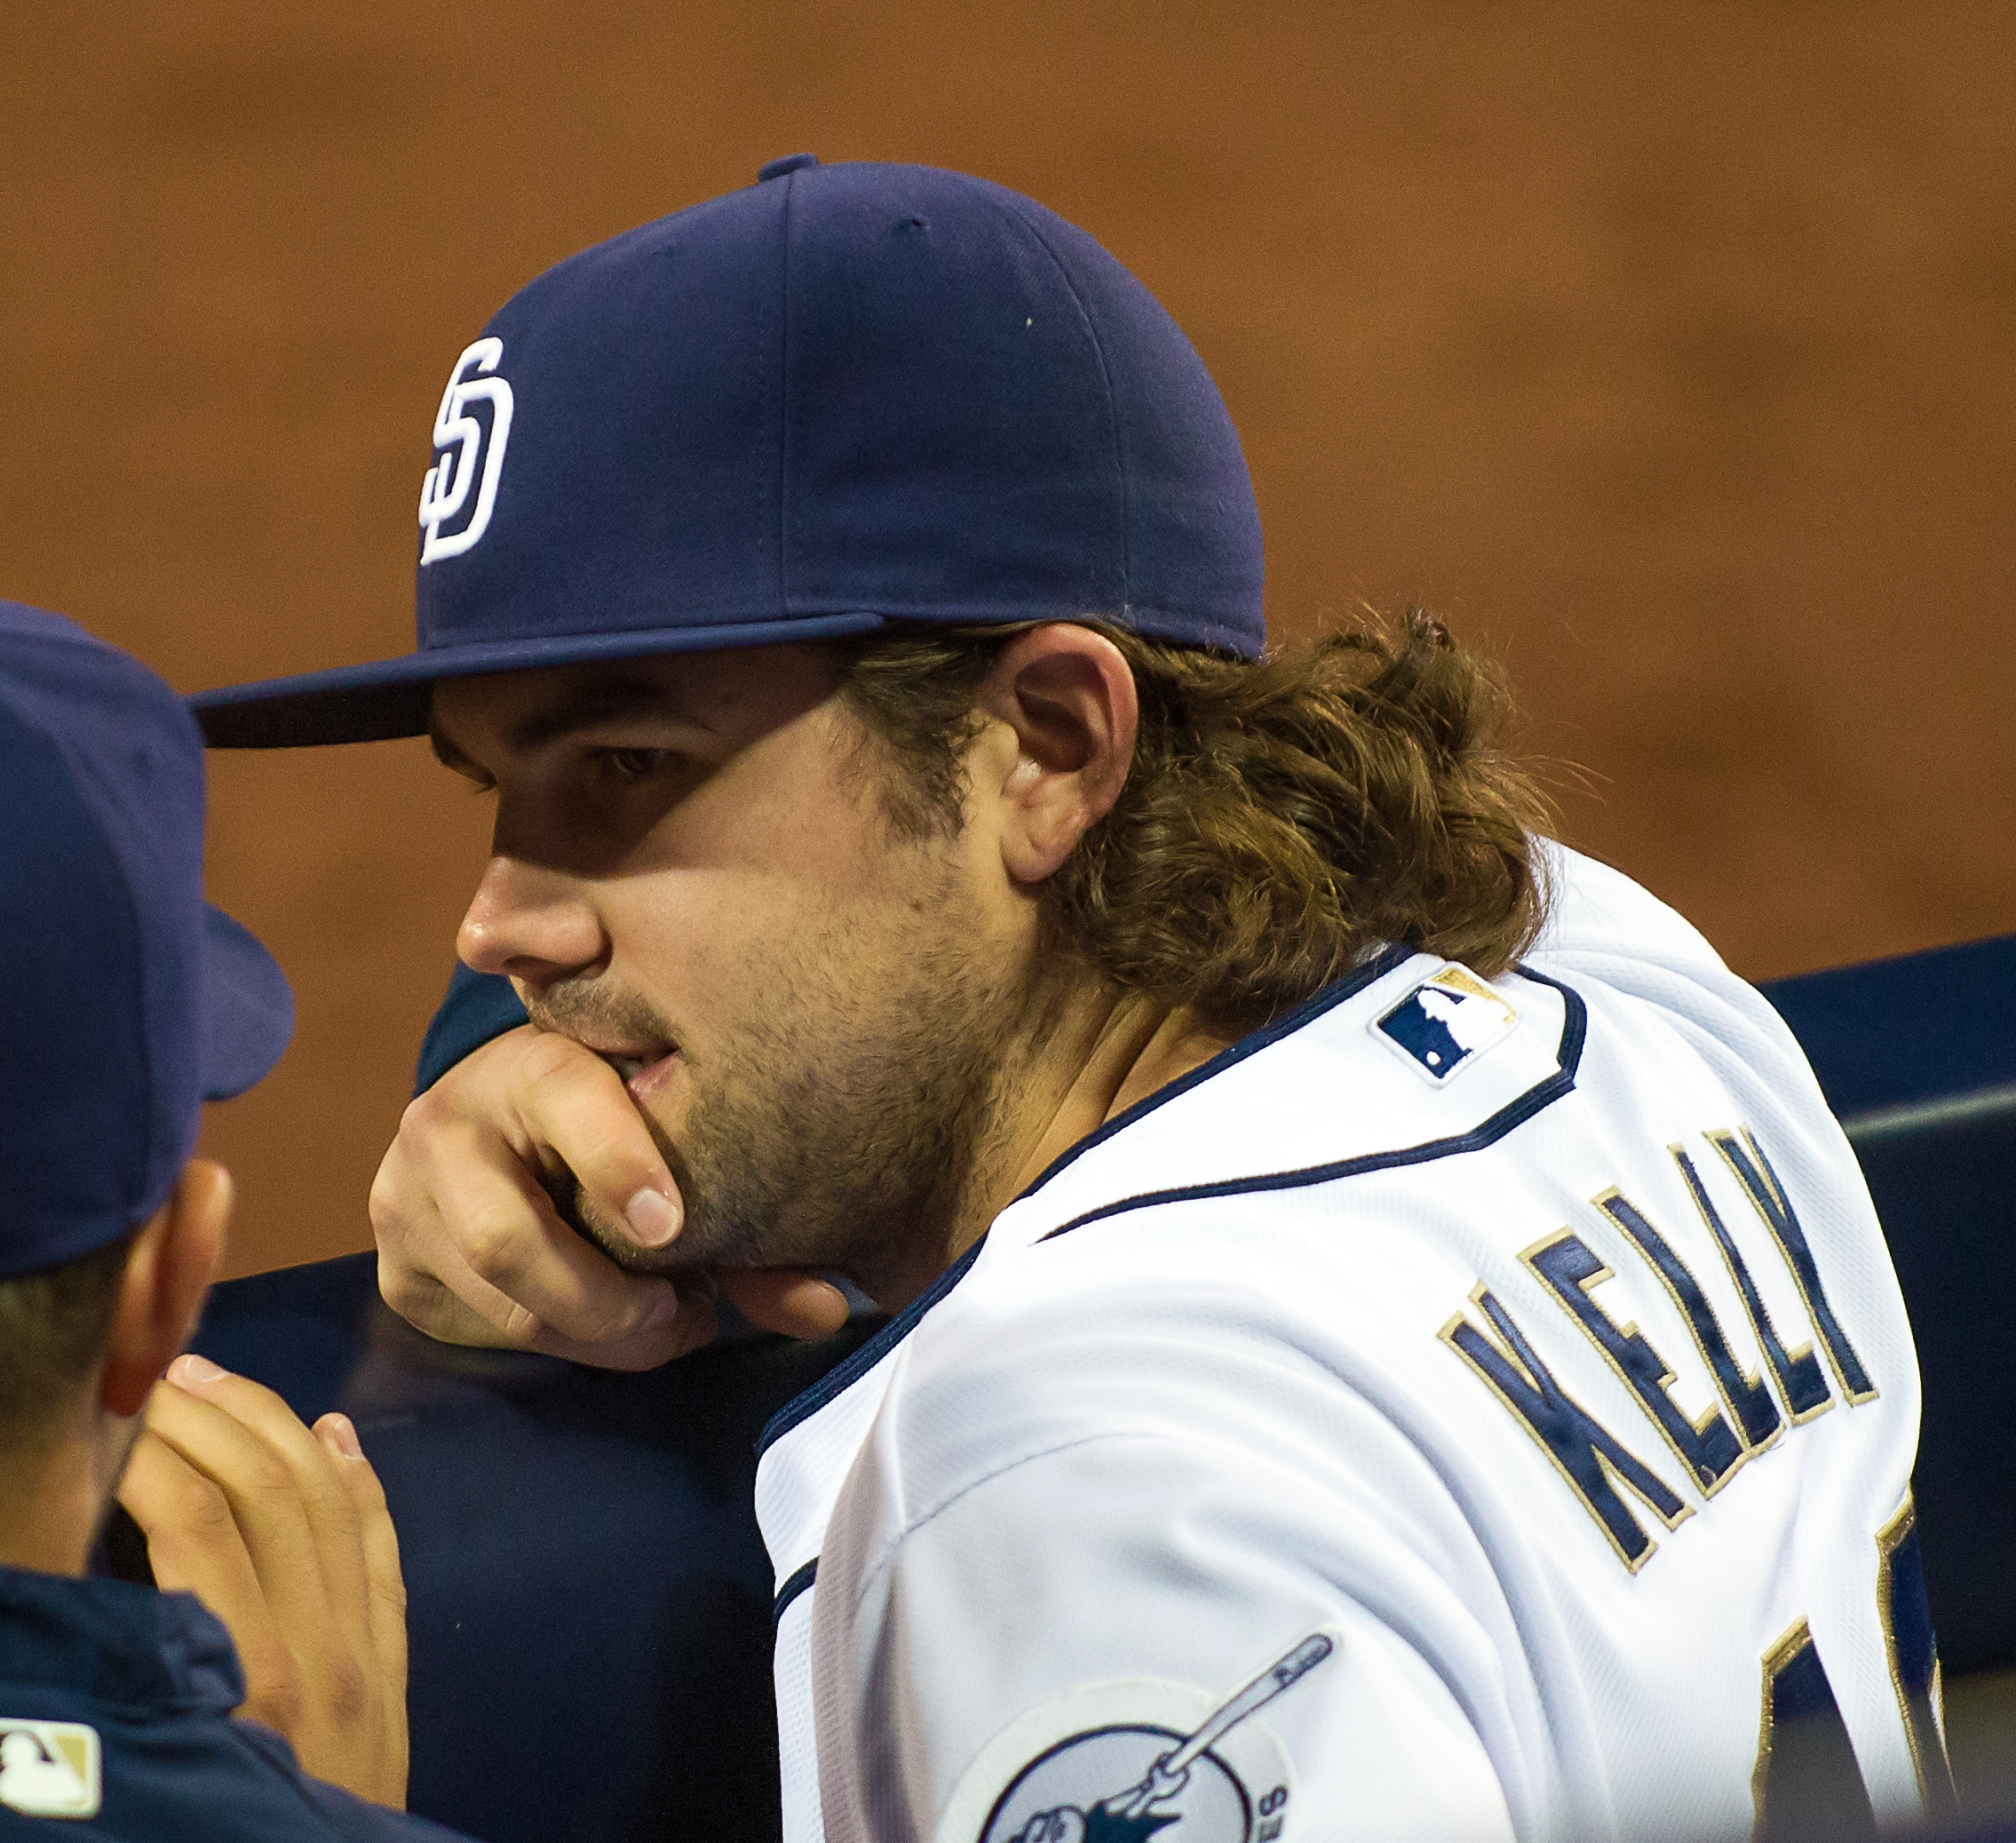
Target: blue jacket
(114, 1693)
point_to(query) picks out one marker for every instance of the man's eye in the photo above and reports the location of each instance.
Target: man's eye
(631, 764)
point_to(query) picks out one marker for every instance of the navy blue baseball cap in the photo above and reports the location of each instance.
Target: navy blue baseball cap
(131, 1001)
(845, 396)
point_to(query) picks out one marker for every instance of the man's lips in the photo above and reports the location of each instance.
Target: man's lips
(640, 1069)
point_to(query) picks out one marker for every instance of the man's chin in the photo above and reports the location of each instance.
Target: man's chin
(681, 1260)
(682, 1257)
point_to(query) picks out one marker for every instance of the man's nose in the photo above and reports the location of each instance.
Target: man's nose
(531, 923)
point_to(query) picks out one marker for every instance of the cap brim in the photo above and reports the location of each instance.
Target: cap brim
(390, 697)
(249, 1009)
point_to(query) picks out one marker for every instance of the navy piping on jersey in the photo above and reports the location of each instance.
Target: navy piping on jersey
(801, 1578)
(849, 1370)
(845, 1374)
(1331, 996)
(1574, 1030)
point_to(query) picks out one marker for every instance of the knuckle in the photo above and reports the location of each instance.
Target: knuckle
(387, 1201)
(429, 1306)
(266, 1473)
(428, 1110)
(631, 1316)
(616, 1148)
(410, 1293)
(608, 1313)
(492, 1244)
(600, 1328)
(198, 1506)
(275, 1692)
(338, 1517)
(269, 1487)
(447, 1319)
(547, 1061)
(521, 1328)
(346, 1692)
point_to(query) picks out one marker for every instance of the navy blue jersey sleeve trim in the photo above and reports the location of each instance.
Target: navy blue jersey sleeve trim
(843, 1374)
(1574, 1030)
(801, 1578)
(476, 1007)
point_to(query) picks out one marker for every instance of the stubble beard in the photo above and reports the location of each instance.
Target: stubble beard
(850, 1121)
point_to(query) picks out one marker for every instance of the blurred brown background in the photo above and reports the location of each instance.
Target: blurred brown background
(1670, 350)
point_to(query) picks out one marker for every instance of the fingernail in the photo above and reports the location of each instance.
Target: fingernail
(652, 1217)
(190, 1370)
(337, 1431)
(661, 1313)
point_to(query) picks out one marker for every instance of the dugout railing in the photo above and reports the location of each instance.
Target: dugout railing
(590, 1599)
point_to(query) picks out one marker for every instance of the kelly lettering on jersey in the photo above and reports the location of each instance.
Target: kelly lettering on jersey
(1744, 1418)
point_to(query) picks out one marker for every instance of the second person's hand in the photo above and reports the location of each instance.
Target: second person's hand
(283, 1534)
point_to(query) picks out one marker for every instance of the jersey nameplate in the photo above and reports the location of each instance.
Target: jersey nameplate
(49, 1769)
(1744, 1418)
(1446, 1023)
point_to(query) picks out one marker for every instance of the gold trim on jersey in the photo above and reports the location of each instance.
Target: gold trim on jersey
(1478, 1295)
(1752, 1380)
(1624, 1333)
(1936, 1795)
(1777, 1657)
(1774, 1207)
(1761, 1321)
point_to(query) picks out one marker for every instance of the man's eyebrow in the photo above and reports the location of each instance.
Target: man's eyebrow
(606, 701)
(449, 756)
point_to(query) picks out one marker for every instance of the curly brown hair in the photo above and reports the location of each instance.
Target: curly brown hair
(1281, 817)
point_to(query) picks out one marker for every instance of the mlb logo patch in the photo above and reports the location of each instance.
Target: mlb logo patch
(1446, 1022)
(49, 1769)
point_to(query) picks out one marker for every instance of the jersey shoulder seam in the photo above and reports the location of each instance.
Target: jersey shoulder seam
(1386, 960)
(1489, 1132)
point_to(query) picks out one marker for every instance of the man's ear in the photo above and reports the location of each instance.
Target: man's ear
(174, 1258)
(1068, 695)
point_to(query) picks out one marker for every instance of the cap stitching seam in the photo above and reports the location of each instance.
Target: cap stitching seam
(1112, 409)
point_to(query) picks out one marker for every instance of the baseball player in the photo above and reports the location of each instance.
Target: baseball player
(129, 1003)
(1387, 1338)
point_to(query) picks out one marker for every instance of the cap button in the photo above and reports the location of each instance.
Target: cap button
(790, 163)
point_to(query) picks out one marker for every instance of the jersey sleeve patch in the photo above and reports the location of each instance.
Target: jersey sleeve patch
(1446, 1023)
(1119, 1762)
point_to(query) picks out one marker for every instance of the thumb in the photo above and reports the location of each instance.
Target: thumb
(786, 1299)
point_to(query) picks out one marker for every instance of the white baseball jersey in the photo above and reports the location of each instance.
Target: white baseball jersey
(1456, 1410)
